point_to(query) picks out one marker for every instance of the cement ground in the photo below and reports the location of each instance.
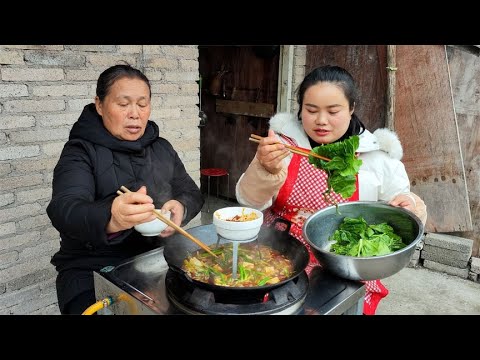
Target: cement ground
(420, 291)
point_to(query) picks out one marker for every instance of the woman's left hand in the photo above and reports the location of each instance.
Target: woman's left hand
(177, 210)
(404, 201)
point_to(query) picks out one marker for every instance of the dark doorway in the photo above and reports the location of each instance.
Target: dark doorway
(238, 96)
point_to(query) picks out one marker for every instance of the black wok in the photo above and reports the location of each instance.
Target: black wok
(177, 248)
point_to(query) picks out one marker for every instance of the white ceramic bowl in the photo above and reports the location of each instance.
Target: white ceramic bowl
(154, 227)
(237, 230)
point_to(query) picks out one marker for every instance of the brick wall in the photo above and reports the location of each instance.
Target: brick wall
(43, 89)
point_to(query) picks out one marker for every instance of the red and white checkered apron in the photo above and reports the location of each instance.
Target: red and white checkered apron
(301, 196)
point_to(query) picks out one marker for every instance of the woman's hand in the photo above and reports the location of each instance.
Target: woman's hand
(130, 209)
(270, 153)
(177, 211)
(405, 201)
(412, 202)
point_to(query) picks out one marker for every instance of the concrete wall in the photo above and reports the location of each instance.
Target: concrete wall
(299, 61)
(43, 89)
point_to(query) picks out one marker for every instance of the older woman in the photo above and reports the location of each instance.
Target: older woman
(113, 143)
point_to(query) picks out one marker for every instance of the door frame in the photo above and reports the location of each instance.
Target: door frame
(285, 78)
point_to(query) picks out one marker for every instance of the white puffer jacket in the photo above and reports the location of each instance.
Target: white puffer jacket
(382, 175)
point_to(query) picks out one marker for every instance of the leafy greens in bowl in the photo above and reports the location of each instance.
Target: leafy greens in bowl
(355, 237)
(320, 228)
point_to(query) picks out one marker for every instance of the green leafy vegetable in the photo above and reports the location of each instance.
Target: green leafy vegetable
(342, 167)
(354, 237)
(263, 281)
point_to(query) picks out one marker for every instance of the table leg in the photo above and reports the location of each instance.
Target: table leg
(208, 194)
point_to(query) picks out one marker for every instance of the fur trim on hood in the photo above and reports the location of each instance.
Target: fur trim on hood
(382, 139)
(389, 142)
(287, 124)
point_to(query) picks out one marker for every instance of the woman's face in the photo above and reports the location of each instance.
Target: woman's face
(126, 109)
(325, 112)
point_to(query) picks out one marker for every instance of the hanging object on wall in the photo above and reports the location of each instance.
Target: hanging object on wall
(216, 84)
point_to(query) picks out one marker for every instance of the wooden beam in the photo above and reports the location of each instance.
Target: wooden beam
(391, 69)
(262, 110)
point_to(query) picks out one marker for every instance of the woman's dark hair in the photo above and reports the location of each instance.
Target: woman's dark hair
(340, 77)
(117, 72)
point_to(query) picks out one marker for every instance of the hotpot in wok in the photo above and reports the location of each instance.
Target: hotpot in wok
(177, 248)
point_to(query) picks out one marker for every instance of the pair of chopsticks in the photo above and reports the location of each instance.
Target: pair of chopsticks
(293, 149)
(170, 223)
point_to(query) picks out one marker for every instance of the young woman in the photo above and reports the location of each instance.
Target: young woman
(113, 143)
(287, 186)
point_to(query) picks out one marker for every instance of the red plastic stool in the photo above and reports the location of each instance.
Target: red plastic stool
(216, 172)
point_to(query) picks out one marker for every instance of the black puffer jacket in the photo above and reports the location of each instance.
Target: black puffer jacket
(92, 167)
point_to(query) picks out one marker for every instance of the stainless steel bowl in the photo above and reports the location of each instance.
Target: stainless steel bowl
(321, 225)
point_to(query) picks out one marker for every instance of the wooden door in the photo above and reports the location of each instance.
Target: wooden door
(426, 124)
(424, 121)
(236, 104)
(465, 77)
(367, 65)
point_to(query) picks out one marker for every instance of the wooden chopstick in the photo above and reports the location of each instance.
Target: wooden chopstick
(293, 149)
(173, 225)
